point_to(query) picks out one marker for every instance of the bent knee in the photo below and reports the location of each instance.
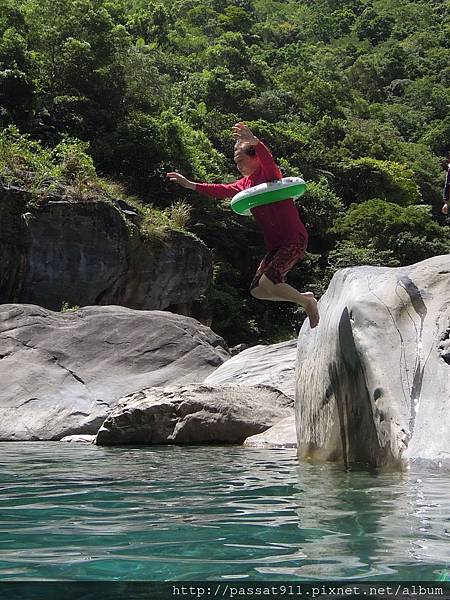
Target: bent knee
(257, 292)
(267, 283)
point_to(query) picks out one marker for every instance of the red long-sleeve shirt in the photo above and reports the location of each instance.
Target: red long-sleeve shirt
(280, 222)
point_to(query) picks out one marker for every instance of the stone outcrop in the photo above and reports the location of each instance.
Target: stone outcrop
(373, 380)
(92, 253)
(78, 439)
(272, 365)
(194, 414)
(281, 435)
(62, 373)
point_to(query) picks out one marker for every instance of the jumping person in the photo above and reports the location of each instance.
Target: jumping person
(285, 236)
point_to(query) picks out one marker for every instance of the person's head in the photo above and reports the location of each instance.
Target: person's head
(245, 158)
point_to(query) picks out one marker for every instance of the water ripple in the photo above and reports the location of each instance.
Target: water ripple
(172, 513)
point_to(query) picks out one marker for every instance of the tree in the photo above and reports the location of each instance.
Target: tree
(408, 232)
(366, 178)
(17, 91)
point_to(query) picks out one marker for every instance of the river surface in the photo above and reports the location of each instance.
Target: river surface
(213, 513)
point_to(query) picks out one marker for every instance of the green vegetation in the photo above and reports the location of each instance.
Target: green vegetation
(65, 169)
(351, 94)
(66, 307)
(68, 171)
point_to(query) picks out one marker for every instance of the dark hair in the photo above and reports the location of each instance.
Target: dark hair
(246, 148)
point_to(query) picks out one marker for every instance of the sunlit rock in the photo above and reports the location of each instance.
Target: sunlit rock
(62, 373)
(281, 435)
(273, 365)
(373, 379)
(196, 413)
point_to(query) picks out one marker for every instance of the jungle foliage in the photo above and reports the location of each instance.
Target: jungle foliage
(352, 94)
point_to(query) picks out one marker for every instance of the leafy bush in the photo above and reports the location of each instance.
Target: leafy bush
(408, 233)
(320, 207)
(66, 169)
(144, 148)
(347, 254)
(366, 178)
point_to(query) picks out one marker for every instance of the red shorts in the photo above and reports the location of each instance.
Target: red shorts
(277, 263)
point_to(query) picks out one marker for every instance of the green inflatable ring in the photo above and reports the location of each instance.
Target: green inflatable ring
(267, 193)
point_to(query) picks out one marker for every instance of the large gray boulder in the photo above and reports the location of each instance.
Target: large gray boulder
(194, 414)
(373, 380)
(62, 373)
(93, 253)
(272, 365)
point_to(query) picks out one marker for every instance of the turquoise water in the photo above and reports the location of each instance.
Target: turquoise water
(197, 513)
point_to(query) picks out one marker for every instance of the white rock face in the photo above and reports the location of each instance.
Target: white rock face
(281, 435)
(78, 439)
(373, 379)
(272, 365)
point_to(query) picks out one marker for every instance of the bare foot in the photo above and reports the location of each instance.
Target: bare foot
(311, 309)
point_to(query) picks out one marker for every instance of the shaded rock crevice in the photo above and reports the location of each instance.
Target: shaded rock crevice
(13, 243)
(444, 346)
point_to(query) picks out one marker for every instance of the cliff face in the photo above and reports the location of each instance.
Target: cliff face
(86, 253)
(13, 244)
(373, 379)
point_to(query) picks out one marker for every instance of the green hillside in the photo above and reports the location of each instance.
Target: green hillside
(352, 95)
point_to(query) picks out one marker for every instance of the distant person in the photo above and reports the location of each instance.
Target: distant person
(445, 195)
(284, 234)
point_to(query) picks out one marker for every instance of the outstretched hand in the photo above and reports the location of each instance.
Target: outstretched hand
(243, 134)
(181, 180)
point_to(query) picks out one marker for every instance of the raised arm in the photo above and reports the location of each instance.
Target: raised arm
(269, 167)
